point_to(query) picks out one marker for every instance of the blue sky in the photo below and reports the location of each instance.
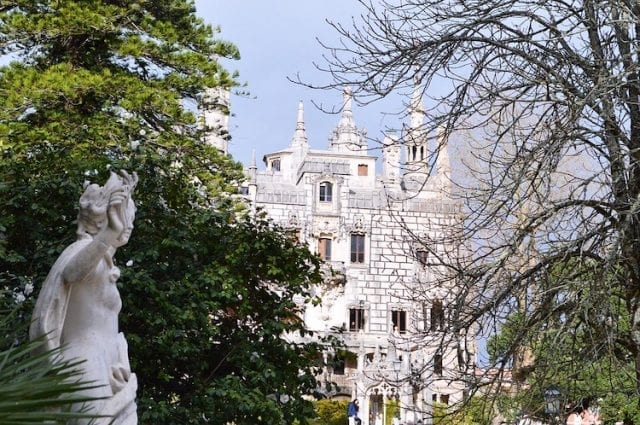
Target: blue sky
(277, 39)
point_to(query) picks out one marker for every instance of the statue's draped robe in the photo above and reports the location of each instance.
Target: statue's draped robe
(48, 323)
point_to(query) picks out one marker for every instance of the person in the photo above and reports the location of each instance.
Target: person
(352, 413)
(77, 308)
(588, 417)
(575, 417)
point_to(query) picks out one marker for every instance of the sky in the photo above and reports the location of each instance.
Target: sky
(278, 39)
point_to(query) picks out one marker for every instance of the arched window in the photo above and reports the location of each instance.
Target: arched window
(326, 192)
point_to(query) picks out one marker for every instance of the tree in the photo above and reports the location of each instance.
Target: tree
(545, 94)
(210, 295)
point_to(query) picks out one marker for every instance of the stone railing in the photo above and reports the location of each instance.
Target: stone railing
(281, 197)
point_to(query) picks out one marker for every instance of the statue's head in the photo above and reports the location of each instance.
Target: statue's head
(95, 201)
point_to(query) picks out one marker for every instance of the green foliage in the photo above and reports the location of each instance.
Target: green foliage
(393, 410)
(210, 297)
(585, 354)
(330, 412)
(476, 411)
(223, 295)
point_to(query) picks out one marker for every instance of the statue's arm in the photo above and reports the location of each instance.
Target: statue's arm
(85, 261)
(103, 243)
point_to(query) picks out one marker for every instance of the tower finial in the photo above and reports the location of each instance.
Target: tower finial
(346, 137)
(300, 135)
(347, 97)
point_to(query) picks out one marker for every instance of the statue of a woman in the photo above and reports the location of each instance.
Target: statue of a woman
(78, 305)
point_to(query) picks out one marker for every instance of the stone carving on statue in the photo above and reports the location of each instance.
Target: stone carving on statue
(78, 305)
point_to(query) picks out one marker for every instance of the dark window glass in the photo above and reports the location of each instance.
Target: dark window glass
(399, 320)
(437, 316)
(357, 248)
(422, 256)
(275, 164)
(326, 190)
(356, 319)
(437, 364)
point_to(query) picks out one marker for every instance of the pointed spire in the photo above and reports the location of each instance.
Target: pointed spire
(346, 137)
(443, 163)
(347, 98)
(416, 107)
(300, 135)
(253, 168)
(253, 159)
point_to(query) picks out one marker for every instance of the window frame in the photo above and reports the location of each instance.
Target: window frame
(437, 319)
(358, 315)
(438, 370)
(323, 244)
(399, 320)
(363, 170)
(358, 248)
(325, 191)
(276, 164)
(422, 257)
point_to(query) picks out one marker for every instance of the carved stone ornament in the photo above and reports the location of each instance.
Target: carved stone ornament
(293, 221)
(78, 305)
(358, 224)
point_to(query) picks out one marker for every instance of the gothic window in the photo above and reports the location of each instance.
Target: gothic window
(437, 364)
(275, 164)
(399, 320)
(363, 170)
(356, 319)
(437, 316)
(357, 248)
(324, 248)
(326, 190)
(422, 256)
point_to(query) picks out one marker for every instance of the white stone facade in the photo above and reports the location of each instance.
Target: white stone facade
(373, 230)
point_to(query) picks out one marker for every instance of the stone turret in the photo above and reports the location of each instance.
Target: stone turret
(215, 118)
(391, 158)
(347, 137)
(416, 141)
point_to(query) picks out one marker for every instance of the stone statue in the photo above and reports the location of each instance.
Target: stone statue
(78, 305)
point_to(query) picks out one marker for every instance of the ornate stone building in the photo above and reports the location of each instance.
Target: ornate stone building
(385, 299)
